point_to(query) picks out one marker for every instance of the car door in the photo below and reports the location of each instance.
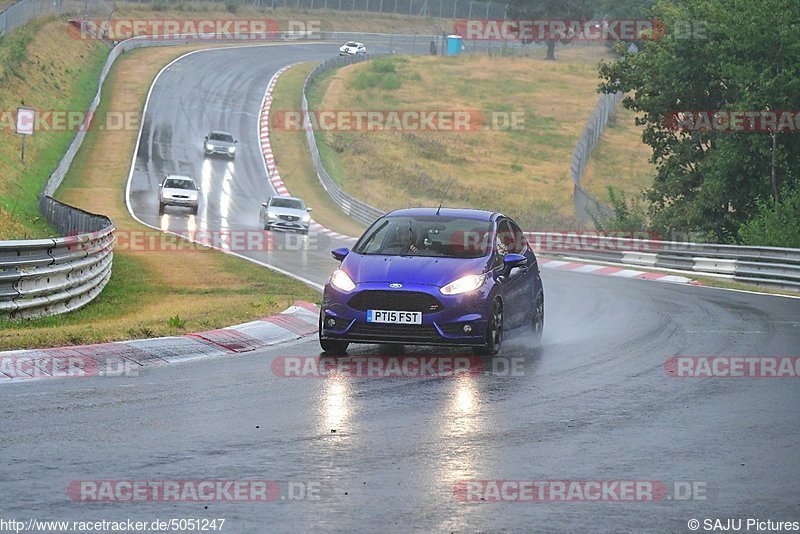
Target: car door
(529, 278)
(513, 286)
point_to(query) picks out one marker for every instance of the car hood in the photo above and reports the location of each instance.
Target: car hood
(410, 269)
(287, 211)
(170, 192)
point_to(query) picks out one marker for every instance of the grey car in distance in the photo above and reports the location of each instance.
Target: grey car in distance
(220, 143)
(286, 213)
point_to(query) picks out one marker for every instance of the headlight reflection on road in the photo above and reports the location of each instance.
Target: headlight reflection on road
(205, 189)
(335, 403)
(226, 194)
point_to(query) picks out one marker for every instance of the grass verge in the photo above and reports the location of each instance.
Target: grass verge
(522, 171)
(42, 68)
(151, 293)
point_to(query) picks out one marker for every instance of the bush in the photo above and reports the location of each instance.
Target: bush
(232, 6)
(628, 216)
(774, 226)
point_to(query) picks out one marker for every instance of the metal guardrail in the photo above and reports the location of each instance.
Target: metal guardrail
(764, 266)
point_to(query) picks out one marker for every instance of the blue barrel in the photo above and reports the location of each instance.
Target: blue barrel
(455, 44)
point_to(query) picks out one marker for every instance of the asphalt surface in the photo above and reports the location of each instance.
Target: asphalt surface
(592, 401)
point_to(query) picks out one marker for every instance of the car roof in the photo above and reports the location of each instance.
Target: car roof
(481, 215)
(179, 177)
(220, 132)
(287, 198)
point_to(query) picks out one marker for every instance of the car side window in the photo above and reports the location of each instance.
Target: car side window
(520, 243)
(500, 242)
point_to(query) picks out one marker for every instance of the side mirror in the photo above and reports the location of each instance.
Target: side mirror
(161, 185)
(512, 260)
(206, 138)
(265, 204)
(309, 209)
(235, 142)
(340, 253)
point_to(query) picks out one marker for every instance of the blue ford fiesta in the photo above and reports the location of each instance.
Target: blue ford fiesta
(423, 276)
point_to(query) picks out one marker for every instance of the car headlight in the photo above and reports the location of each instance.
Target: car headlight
(340, 280)
(231, 149)
(209, 146)
(271, 214)
(464, 284)
(306, 217)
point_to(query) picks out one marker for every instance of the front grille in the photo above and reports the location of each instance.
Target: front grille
(179, 196)
(289, 217)
(395, 300)
(394, 332)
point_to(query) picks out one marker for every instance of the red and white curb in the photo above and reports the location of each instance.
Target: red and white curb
(269, 157)
(620, 272)
(125, 358)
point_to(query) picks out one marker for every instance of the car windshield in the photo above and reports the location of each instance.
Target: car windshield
(434, 236)
(216, 136)
(179, 183)
(287, 203)
(351, 44)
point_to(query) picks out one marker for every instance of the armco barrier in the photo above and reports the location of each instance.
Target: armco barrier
(41, 277)
(764, 266)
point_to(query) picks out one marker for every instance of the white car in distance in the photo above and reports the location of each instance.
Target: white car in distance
(352, 48)
(178, 190)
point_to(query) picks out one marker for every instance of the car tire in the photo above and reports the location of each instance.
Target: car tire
(161, 208)
(494, 332)
(538, 318)
(304, 232)
(194, 211)
(267, 227)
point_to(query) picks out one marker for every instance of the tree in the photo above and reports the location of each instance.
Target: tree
(550, 10)
(738, 56)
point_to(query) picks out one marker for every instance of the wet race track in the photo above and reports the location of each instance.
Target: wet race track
(594, 401)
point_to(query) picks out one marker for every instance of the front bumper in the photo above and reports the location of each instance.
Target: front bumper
(220, 151)
(186, 202)
(444, 326)
(281, 224)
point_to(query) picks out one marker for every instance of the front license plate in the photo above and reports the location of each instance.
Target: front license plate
(394, 317)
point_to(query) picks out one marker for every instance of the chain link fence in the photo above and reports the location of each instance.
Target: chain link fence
(26, 10)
